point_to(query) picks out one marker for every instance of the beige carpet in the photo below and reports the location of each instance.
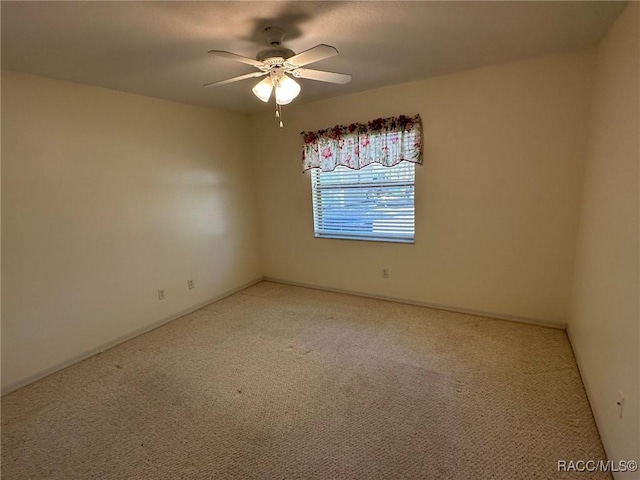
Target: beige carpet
(281, 382)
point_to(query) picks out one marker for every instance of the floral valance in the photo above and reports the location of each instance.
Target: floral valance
(387, 141)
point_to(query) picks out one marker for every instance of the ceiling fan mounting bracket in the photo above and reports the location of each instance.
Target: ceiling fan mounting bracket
(274, 35)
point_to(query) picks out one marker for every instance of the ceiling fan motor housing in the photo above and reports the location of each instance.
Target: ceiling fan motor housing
(270, 55)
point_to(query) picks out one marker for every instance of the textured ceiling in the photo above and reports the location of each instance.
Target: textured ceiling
(159, 49)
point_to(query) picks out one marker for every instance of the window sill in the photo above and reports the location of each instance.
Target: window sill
(410, 241)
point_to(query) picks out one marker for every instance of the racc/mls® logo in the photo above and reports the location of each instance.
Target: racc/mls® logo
(597, 466)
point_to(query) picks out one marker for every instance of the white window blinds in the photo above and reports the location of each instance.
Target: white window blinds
(373, 203)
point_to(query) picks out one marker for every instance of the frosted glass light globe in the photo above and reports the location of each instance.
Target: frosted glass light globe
(262, 90)
(286, 90)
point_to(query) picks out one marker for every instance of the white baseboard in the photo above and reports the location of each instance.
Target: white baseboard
(106, 346)
(589, 390)
(448, 308)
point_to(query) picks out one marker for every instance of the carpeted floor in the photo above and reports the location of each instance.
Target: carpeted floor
(282, 382)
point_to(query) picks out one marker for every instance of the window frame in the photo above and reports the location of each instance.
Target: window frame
(390, 228)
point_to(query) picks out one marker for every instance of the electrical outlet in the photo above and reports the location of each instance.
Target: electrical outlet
(620, 403)
(161, 294)
(191, 285)
(385, 273)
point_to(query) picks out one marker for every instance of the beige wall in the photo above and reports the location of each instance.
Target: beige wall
(497, 199)
(107, 197)
(604, 317)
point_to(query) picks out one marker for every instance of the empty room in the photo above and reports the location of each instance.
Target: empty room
(320, 240)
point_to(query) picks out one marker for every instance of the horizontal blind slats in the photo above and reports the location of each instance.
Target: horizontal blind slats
(375, 202)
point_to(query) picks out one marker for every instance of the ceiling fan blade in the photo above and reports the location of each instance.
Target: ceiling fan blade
(314, 54)
(235, 79)
(321, 76)
(237, 58)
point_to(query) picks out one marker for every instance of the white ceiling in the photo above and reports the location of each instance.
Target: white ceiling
(159, 48)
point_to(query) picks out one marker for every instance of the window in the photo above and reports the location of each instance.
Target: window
(363, 177)
(374, 203)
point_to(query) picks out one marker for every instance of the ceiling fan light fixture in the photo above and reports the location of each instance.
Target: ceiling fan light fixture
(286, 90)
(263, 89)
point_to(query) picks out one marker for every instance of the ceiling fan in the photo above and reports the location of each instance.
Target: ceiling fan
(279, 64)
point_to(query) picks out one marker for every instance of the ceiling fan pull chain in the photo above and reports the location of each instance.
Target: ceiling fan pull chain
(279, 112)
